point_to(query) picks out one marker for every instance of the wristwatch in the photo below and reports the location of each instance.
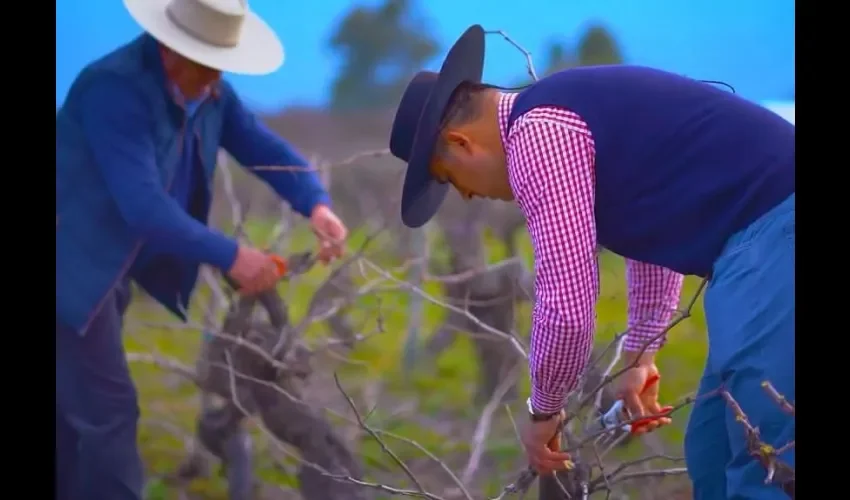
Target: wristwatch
(537, 416)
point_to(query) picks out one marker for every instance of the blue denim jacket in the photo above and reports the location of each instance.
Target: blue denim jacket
(119, 144)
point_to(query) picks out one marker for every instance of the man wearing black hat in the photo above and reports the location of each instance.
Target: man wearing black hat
(676, 175)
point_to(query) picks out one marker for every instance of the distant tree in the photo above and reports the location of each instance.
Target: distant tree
(558, 57)
(597, 47)
(381, 48)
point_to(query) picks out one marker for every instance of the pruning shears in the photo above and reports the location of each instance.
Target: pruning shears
(297, 264)
(617, 415)
(281, 264)
(614, 418)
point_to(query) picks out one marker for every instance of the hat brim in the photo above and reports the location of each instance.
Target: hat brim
(422, 194)
(259, 51)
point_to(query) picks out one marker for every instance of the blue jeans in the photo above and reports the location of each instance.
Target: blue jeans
(97, 411)
(749, 308)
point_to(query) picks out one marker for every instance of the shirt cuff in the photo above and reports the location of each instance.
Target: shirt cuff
(306, 208)
(636, 343)
(220, 250)
(544, 402)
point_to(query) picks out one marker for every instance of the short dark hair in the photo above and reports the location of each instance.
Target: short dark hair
(464, 104)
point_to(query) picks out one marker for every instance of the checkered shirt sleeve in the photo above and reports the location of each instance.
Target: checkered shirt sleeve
(551, 154)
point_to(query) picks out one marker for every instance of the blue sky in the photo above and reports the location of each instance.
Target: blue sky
(747, 43)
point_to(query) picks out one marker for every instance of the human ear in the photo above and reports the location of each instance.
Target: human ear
(458, 141)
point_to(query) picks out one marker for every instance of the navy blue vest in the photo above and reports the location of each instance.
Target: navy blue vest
(681, 165)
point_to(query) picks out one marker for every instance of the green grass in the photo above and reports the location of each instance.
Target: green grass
(443, 390)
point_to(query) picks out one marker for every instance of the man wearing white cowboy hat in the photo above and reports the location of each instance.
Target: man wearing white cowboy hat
(136, 146)
(678, 176)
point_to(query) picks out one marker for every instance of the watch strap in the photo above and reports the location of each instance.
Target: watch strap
(543, 417)
(537, 416)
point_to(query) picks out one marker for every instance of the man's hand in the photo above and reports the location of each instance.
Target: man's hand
(638, 398)
(330, 231)
(542, 443)
(254, 271)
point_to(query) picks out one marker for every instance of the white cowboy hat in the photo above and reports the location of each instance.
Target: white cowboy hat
(220, 34)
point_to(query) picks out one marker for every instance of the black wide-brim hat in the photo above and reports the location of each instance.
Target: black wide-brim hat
(416, 127)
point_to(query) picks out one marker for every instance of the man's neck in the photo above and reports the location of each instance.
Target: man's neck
(188, 100)
(491, 126)
(172, 67)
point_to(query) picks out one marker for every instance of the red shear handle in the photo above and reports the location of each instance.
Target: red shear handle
(650, 381)
(280, 262)
(643, 422)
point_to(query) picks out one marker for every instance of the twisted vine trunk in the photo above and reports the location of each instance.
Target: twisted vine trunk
(246, 383)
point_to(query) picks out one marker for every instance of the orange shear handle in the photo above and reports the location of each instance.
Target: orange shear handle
(281, 264)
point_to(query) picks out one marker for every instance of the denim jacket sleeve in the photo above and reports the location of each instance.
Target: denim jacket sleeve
(252, 144)
(118, 124)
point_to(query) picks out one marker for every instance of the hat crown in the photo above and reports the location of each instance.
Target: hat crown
(216, 22)
(409, 110)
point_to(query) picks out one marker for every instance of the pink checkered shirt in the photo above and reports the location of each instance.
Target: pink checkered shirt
(551, 154)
